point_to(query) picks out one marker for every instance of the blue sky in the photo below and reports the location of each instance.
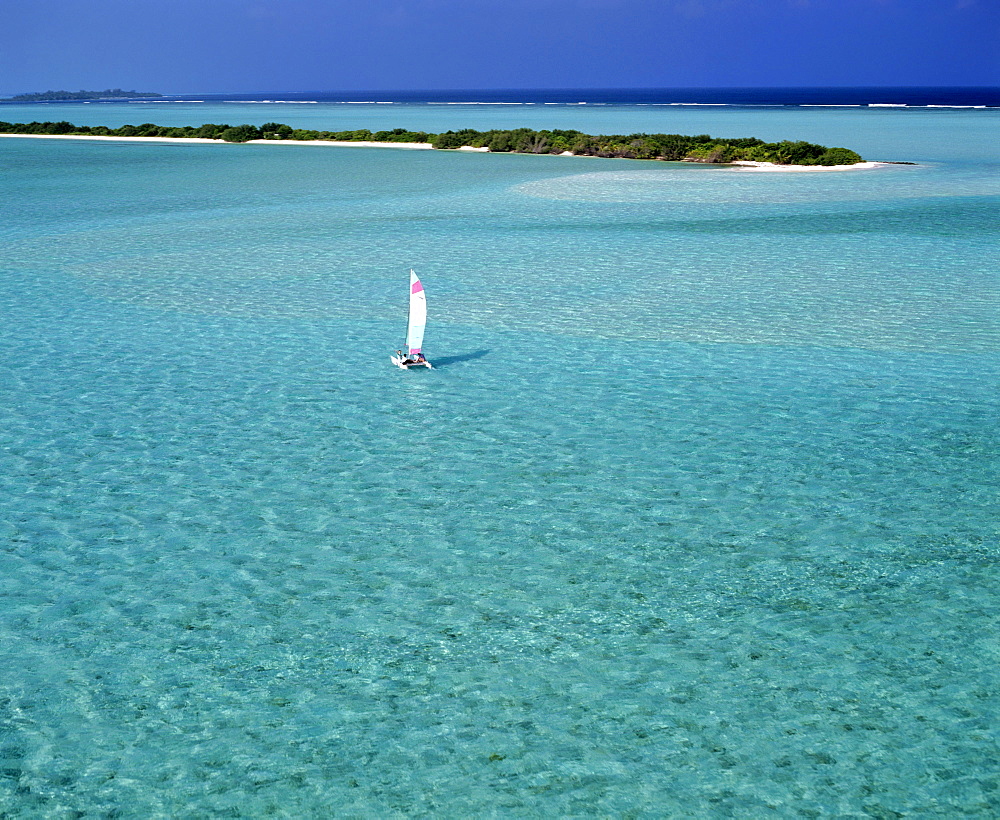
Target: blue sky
(195, 46)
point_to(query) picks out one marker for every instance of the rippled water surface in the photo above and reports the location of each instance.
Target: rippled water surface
(696, 515)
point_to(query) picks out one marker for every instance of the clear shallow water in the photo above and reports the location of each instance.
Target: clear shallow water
(696, 516)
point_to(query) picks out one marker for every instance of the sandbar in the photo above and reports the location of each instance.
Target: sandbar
(117, 139)
(749, 165)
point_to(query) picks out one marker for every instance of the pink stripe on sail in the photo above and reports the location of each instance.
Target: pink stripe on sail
(414, 350)
(417, 287)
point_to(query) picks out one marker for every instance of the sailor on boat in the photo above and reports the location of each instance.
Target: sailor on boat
(407, 361)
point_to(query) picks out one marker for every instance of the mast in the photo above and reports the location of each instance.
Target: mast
(418, 315)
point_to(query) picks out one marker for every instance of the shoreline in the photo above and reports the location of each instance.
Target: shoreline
(203, 140)
(737, 165)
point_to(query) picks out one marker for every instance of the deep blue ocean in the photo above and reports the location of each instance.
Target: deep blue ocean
(697, 515)
(916, 96)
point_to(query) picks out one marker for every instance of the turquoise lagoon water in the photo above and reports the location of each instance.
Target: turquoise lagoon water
(697, 515)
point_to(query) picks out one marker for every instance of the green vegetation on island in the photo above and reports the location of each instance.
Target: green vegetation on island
(213, 131)
(671, 147)
(107, 94)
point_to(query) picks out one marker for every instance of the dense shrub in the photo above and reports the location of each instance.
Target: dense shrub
(675, 147)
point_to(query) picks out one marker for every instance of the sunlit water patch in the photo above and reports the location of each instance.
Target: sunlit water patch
(654, 254)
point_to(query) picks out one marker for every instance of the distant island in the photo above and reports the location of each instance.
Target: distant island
(670, 147)
(107, 94)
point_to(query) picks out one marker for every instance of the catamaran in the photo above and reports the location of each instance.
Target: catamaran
(414, 329)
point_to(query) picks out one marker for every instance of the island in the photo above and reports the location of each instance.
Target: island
(667, 147)
(57, 96)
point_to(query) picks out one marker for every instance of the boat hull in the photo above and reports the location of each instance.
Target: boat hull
(402, 364)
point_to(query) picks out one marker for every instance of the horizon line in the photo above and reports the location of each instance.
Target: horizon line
(560, 88)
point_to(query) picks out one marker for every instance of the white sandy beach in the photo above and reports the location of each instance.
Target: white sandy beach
(353, 144)
(413, 146)
(114, 139)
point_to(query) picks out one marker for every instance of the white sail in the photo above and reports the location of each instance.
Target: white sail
(418, 316)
